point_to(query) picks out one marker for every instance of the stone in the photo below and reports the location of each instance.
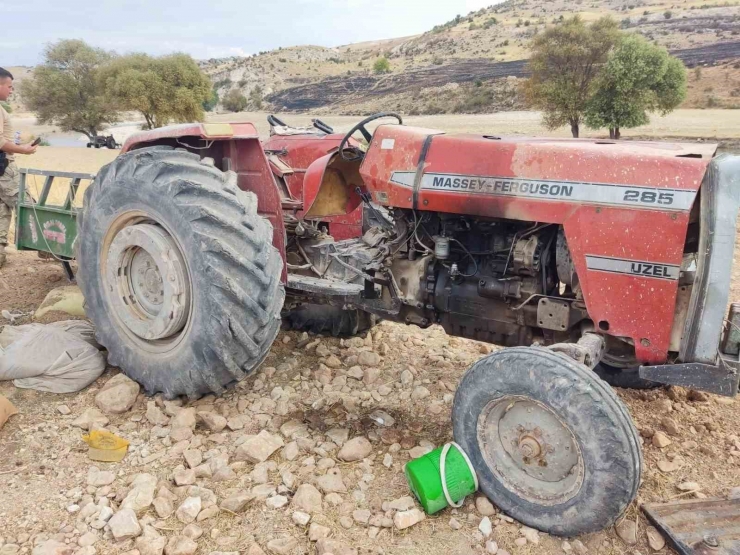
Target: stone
(332, 482)
(124, 525)
(193, 457)
(188, 510)
(91, 419)
(141, 495)
(208, 512)
(355, 449)
(579, 548)
(401, 504)
(420, 392)
(307, 499)
(211, 421)
(655, 539)
(52, 547)
(64, 410)
(184, 477)
(184, 418)
(181, 433)
(318, 532)
(627, 531)
(484, 506)
(670, 426)
(163, 507)
(406, 519)
(255, 549)
(346, 522)
(661, 440)
(150, 542)
(356, 373)
(301, 518)
(282, 546)
(276, 502)
(237, 502)
(329, 546)
(192, 531)
(689, 486)
(180, 545)
(87, 539)
(485, 527)
(361, 516)
(697, 396)
(371, 375)
(291, 451)
(407, 378)
(420, 451)
(387, 460)
(491, 547)
(259, 448)
(98, 478)
(224, 474)
(455, 524)
(338, 435)
(368, 358)
(531, 535)
(668, 466)
(155, 416)
(118, 395)
(520, 542)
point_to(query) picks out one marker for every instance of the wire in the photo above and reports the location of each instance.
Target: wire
(471, 258)
(208, 145)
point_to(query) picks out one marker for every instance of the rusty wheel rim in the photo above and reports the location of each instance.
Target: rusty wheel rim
(530, 450)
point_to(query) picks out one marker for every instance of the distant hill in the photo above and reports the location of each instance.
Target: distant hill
(472, 63)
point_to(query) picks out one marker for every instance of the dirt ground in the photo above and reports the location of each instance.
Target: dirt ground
(44, 465)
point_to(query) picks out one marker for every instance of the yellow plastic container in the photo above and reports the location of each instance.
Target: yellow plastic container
(105, 446)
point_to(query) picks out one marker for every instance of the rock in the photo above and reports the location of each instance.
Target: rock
(181, 433)
(655, 539)
(210, 420)
(660, 440)
(308, 499)
(237, 503)
(255, 549)
(87, 539)
(670, 426)
(520, 542)
(387, 460)
(697, 396)
(328, 546)
(282, 546)
(332, 482)
(208, 512)
(98, 478)
(193, 457)
(406, 519)
(355, 449)
(155, 416)
(150, 542)
(224, 474)
(668, 466)
(455, 524)
(491, 547)
(184, 477)
(118, 395)
(317, 532)
(259, 448)
(276, 502)
(420, 451)
(531, 535)
(356, 373)
(163, 507)
(91, 419)
(734, 493)
(371, 375)
(333, 362)
(124, 525)
(361, 516)
(338, 435)
(184, 418)
(188, 510)
(64, 410)
(180, 545)
(419, 392)
(407, 378)
(627, 531)
(689, 486)
(485, 527)
(401, 504)
(141, 495)
(52, 547)
(484, 506)
(579, 548)
(192, 531)
(368, 358)
(346, 522)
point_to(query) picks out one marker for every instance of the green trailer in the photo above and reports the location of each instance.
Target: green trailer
(45, 226)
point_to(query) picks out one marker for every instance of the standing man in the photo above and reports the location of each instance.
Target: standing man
(9, 178)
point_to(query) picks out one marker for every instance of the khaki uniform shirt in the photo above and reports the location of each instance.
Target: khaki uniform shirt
(6, 130)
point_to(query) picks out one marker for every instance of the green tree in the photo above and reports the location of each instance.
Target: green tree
(255, 97)
(210, 103)
(639, 77)
(65, 89)
(382, 65)
(565, 62)
(235, 101)
(163, 90)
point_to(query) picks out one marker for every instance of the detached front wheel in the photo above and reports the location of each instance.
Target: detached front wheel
(551, 443)
(178, 271)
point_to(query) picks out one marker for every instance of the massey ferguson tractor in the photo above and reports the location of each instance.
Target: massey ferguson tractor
(565, 252)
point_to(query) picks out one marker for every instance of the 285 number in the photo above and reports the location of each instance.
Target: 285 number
(649, 197)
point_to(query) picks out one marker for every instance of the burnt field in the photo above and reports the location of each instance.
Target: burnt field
(334, 90)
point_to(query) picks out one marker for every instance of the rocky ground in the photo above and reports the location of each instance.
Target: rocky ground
(304, 456)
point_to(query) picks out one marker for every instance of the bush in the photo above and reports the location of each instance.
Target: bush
(221, 83)
(490, 22)
(210, 103)
(382, 65)
(235, 101)
(437, 61)
(668, 14)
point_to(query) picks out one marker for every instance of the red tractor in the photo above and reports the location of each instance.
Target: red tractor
(566, 252)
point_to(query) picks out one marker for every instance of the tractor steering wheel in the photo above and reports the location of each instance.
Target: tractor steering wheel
(352, 154)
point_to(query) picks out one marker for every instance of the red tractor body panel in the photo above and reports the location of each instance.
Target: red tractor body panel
(624, 207)
(299, 152)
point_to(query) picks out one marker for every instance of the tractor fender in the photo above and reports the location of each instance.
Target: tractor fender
(329, 187)
(170, 134)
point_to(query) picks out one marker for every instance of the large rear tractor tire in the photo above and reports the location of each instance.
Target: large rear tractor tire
(551, 443)
(178, 271)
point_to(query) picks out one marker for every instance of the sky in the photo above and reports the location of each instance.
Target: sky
(214, 29)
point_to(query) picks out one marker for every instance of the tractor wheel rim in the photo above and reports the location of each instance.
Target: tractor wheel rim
(148, 283)
(530, 449)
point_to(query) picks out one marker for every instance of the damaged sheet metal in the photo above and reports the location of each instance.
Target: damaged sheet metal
(699, 526)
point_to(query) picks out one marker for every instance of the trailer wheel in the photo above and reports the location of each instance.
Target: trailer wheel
(325, 319)
(178, 271)
(552, 444)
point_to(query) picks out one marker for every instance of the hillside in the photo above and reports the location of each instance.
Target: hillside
(472, 63)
